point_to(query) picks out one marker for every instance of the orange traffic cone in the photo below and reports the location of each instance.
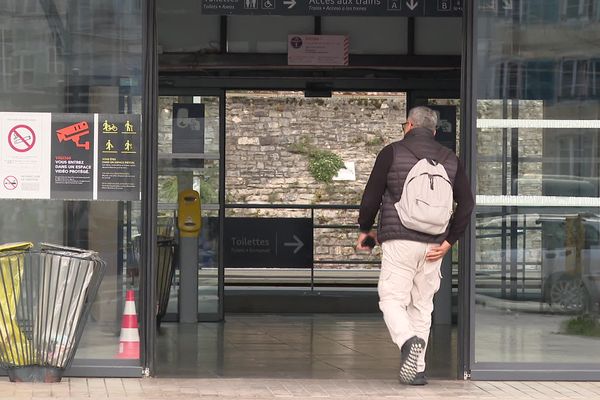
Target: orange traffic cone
(129, 345)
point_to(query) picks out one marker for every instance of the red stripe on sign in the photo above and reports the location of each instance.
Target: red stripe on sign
(346, 50)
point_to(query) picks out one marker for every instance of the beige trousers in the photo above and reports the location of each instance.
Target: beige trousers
(406, 287)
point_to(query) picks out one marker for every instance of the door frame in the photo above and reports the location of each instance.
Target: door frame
(172, 85)
(220, 93)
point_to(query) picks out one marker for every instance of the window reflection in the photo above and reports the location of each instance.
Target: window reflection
(75, 56)
(537, 249)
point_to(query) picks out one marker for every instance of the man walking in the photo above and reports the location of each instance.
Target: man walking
(411, 258)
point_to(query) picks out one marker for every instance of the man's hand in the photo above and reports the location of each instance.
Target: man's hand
(435, 253)
(361, 238)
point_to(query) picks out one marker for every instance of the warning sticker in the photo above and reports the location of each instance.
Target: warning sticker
(25, 155)
(21, 138)
(10, 183)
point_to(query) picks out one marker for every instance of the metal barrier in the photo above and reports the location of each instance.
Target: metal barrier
(45, 300)
(312, 208)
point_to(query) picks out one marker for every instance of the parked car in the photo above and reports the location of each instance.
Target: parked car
(555, 259)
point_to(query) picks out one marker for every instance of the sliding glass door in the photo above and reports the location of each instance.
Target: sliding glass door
(537, 249)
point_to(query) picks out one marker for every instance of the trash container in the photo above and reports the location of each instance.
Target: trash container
(166, 269)
(166, 262)
(45, 299)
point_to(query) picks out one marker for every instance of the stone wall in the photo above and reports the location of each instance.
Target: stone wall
(263, 130)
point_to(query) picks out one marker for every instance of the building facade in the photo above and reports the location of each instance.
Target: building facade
(520, 80)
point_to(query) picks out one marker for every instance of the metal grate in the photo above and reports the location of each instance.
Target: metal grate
(166, 256)
(45, 299)
(166, 269)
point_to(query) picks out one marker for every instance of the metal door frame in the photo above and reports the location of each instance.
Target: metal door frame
(491, 370)
(220, 93)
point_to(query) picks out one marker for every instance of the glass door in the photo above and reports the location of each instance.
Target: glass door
(537, 247)
(190, 129)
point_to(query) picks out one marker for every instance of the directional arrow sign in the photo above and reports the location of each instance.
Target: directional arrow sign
(341, 8)
(297, 243)
(412, 4)
(268, 242)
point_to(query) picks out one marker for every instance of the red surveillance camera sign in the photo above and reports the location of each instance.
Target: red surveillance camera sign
(75, 133)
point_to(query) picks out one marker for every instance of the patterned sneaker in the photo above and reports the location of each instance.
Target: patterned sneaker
(409, 354)
(420, 379)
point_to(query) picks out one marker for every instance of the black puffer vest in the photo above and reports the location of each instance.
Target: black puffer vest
(423, 144)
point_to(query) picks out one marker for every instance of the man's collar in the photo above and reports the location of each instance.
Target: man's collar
(419, 132)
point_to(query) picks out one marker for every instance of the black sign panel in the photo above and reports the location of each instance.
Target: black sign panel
(446, 130)
(72, 164)
(119, 147)
(268, 242)
(188, 128)
(384, 8)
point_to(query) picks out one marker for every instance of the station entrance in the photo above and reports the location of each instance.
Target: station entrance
(307, 306)
(236, 103)
(311, 312)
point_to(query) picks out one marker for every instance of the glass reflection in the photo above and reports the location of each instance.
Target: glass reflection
(538, 215)
(76, 56)
(198, 170)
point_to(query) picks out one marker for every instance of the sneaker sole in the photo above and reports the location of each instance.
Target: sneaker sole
(408, 370)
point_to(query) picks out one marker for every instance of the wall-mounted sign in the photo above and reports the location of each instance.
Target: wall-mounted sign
(366, 8)
(119, 148)
(446, 130)
(188, 133)
(188, 128)
(318, 49)
(268, 242)
(73, 149)
(70, 156)
(25, 155)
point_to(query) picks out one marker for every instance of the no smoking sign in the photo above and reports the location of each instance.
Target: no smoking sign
(10, 183)
(21, 138)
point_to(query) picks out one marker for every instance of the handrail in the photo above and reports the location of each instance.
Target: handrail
(294, 206)
(312, 208)
(486, 232)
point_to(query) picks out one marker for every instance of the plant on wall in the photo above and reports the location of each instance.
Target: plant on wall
(323, 165)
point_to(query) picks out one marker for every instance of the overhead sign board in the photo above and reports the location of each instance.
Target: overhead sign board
(366, 8)
(268, 242)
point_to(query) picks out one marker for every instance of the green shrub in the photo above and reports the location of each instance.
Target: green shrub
(586, 325)
(323, 165)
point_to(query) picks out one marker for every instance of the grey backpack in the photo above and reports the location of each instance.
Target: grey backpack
(427, 199)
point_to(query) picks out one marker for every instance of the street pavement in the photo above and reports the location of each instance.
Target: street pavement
(246, 388)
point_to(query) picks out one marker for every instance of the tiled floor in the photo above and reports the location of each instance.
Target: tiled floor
(321, 346)
(229, 389)
(347, 357)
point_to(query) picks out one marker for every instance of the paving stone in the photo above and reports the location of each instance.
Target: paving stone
(253, 389)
